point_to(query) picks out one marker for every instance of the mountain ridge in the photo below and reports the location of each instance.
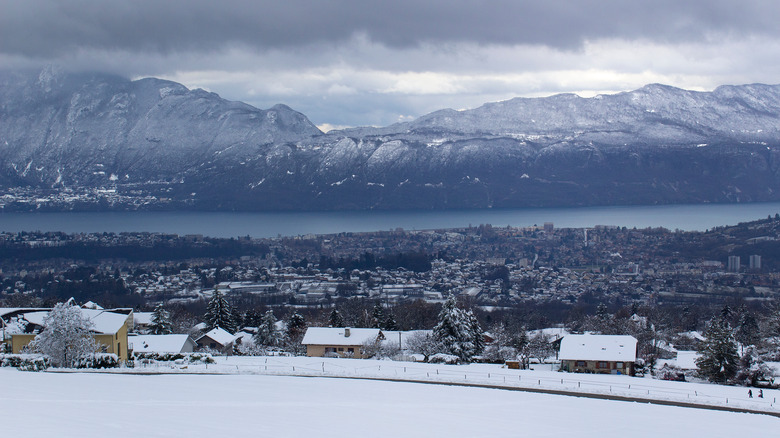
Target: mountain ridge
(193, 149)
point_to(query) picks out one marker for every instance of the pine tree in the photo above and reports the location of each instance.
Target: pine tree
(335, 319)
(747, 330)
(219, 313)
(458, 331)
(390, 323)
(267, 334)
(161, 321)
(66, 336)
(296, 328)
(447, 331)
(378, 315)
(718, 361)
(252, 318)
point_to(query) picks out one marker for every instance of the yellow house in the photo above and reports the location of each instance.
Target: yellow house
(339, 341)
(109, 328)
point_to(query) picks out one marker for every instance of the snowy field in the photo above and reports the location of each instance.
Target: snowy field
(98, 405)
(541, 377)
(251, 396)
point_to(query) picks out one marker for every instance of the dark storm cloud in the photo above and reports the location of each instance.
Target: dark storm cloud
(44, 28)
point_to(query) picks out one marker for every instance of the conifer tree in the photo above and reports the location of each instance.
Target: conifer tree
(390, 323)
(219, 313)
(458, 331)
(718, 361)
(335, 319)
(296, 328)
(160, 322)
(267, 334)
(747, 330)
(378, 315)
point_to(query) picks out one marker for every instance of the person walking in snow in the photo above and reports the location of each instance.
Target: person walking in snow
(750, 393)
(760, 393)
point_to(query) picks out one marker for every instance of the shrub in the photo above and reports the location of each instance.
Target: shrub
(97, 361)
(172, 357)
(25, 362)
(449, 359)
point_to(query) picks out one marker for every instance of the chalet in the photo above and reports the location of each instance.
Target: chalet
(339, 341)
(216, 339)
(600, 354)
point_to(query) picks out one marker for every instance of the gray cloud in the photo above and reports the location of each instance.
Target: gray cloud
(377, 62)
(45, 28)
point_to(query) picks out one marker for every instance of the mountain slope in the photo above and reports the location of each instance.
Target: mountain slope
(192, 149)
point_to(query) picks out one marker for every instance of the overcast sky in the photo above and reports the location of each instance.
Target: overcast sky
(364, 62)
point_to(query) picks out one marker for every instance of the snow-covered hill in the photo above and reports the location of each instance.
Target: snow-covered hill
(657, 144)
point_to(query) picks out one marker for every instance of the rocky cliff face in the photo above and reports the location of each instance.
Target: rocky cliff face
(657, 144)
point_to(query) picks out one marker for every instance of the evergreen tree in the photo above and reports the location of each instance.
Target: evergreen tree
(267, 334)
(378, 315)
(602, 313)
(475, 333)
(390, 323)
(161, 321)
(458, 331)
(252, 318)
(447, 331)
(219, 313)
(296, 328)
(718, 361)
(747, 330)
(335, 319)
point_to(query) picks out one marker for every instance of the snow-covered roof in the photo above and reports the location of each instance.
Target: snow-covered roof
(6, 310)
(618, 348)
(247, 338)
(337, 336)
(160, 343)
(142, 318)
(219, 335)
(92, 305)
(104, 321)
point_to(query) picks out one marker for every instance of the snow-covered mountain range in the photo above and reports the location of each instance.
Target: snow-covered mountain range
(658, 144)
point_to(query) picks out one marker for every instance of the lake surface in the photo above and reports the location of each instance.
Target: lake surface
(231, 224)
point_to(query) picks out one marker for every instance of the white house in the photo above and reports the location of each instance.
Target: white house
(339, 341)
(601, 354)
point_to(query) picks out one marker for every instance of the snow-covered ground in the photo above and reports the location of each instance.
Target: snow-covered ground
(88, 405)
(541, 377)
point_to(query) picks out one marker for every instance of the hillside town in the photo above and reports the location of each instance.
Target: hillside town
(492, 267)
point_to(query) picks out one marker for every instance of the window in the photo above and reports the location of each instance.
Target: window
(350, 350)
(602, 364)
(619, 364)
(581, 363)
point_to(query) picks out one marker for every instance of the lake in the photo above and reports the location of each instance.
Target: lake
(232, 224)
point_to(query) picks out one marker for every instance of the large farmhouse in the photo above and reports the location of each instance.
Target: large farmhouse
(339, 341)
(600, 354)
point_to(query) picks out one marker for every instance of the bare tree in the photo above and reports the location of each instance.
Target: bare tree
(66, 336)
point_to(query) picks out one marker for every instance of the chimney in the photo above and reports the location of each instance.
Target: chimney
(346, 332)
